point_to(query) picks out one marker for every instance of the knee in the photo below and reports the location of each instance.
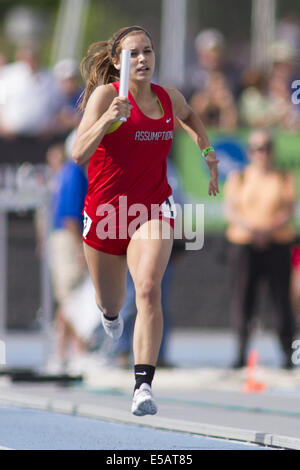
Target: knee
(110, 307)
(148, 290)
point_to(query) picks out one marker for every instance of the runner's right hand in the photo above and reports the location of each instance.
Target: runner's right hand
(120, 107)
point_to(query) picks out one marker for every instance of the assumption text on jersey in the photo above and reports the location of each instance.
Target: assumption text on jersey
(153, 136)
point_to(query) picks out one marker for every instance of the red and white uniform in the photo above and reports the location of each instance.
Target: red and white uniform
(130, 161)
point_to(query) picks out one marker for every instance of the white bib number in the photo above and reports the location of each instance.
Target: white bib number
(168, 208)
(87, 222)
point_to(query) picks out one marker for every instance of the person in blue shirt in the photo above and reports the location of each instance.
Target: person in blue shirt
(67, 263)
(68, 198)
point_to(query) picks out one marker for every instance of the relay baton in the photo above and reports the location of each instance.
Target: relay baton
(124, 76)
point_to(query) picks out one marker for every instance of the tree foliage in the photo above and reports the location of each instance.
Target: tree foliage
(6, 5)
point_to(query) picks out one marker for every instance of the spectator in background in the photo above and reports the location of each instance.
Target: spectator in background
(288, 31)
(295, 287)
(266, 99)
(284, 59)
(213, 82)
(66, 73)
(255, 110)
(67, 263)
(285, 71)
(32, 100)
(55, 159)
(215, 104)
(259, 206)
(270, 105)
(3, 61)
(211, 57)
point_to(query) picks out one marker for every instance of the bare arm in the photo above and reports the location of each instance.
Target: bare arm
(233, 216)
(188, 119)
(192, 124)
(260, 238)
(285, 214)
(103, 108)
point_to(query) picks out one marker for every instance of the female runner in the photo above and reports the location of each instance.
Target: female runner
(127, 175)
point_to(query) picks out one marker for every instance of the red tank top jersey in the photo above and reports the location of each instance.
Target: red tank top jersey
(131, 160)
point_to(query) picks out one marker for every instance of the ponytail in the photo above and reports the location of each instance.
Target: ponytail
(97, 67)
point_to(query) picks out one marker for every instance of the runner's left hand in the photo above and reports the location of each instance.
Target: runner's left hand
(212, 163)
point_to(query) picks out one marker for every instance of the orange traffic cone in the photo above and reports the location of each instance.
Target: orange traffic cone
(251, 385)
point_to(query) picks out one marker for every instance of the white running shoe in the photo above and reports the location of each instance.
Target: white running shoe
(113, 328)
(143, 402)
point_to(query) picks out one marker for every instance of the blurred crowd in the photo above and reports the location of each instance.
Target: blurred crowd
(42, 103)
(37, 101)
(228, 95)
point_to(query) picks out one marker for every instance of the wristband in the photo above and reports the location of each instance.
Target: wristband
(207, 150)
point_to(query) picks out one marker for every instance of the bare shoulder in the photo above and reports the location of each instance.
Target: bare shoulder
(100, 100)
(290, 177)
(98, 103)
(102, 95)
(180, 107)
(287, 177)
(175, 95)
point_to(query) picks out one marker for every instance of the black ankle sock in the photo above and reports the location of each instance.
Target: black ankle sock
(110, 318)
(144, 373)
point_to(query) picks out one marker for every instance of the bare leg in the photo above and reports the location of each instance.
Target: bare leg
(61, 334)
(108, 273)
(147, 260)
(295, 293)
(67, 336)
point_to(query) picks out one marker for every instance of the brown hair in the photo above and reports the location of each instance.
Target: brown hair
(97, 67)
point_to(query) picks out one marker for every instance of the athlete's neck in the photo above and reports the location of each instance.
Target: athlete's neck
(141, 91)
